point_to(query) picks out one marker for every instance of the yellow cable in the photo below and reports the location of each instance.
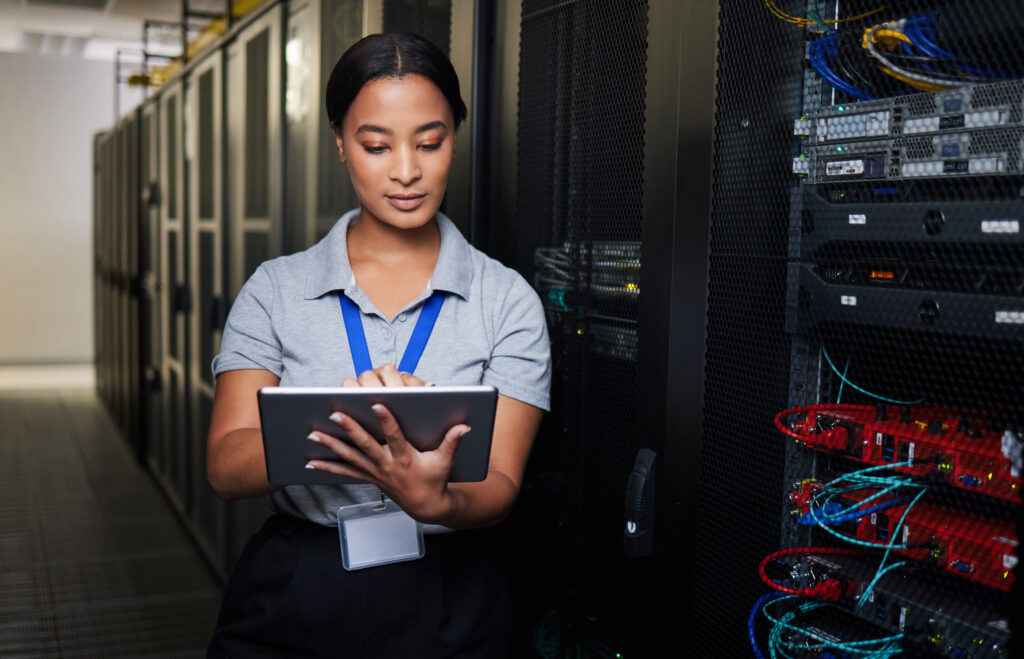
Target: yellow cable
(804, 22)
(916, 84)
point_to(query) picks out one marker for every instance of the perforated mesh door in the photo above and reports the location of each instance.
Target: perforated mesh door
(866, 260)
(580, 173)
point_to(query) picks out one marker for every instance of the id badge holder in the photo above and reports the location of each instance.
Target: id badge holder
(377, 533)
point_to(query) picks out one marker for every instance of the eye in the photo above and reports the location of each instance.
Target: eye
(375, 150)
(431, 147)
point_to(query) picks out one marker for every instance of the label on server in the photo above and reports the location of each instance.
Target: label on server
(858, 218)
(848, 300)
(1000, 226)
(955, 166)
(844, 167)
(955, 121)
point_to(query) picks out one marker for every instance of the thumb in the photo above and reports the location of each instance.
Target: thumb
(451, 441)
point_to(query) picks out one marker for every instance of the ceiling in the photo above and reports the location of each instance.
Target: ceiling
(93, 29)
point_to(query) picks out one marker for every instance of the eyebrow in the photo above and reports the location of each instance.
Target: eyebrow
(370, 128)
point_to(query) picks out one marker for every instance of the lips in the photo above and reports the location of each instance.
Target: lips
(406, 202)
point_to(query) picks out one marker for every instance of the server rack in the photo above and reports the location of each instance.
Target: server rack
(865, 259)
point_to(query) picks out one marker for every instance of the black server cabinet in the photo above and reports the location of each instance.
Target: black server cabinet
(864, 336)
(614, 108)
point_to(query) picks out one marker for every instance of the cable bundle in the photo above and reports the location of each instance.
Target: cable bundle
(888, 58)
(790, 633)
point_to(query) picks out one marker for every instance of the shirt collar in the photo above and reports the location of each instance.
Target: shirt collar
(330, 270)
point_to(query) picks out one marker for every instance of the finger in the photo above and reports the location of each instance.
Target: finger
(345, 451)
(393, 434)
(341, 469)
(389, 376)
(363, 440)
(370, 379)
(350, 382)
(451, 441)
(410, 380)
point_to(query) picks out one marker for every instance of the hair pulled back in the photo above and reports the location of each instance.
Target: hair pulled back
(390, 56)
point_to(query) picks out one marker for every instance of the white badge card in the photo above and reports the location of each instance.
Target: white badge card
(377, 533)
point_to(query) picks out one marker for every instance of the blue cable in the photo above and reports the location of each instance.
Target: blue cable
(865, 391)
(753, 617)
(808, 518)
(914, 29)
(818, 62)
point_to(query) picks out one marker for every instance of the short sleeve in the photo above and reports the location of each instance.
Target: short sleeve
(249, 340)
(520, 363)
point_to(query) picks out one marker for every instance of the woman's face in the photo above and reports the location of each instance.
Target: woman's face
(398, 140)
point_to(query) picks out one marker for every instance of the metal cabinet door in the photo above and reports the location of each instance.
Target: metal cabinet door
(254, 188)
(204, 153)
(151, 404)
(173, 463)
(254, 148)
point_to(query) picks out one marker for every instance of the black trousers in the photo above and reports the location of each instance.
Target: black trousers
(289, 596)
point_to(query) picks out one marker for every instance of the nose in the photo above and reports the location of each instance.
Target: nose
(405, 168)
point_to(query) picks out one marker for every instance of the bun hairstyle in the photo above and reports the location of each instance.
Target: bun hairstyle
(390, 56)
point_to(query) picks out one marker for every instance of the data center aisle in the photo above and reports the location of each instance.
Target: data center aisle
(93, 561)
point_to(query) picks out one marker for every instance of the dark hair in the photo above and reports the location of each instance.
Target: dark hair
(390, 56)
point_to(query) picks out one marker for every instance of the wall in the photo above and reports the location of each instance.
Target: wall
(50, 107)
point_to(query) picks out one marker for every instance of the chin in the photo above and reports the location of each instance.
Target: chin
(404, 220)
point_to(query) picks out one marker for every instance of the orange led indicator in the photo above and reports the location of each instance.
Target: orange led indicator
(886, 275)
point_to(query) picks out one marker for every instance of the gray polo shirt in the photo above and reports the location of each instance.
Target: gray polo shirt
(287, 320)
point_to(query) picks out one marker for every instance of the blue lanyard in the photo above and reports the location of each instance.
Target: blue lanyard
(420, 334)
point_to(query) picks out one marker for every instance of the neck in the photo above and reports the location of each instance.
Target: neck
(369, 238)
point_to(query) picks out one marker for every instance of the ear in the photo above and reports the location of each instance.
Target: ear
(336, 130)
(454, 145)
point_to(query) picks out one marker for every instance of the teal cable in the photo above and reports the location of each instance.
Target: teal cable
(888, 549)
(865, 391)
(846, 646)
(878, 575)
(839, 396)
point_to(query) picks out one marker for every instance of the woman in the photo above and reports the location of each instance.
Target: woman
(394, 107)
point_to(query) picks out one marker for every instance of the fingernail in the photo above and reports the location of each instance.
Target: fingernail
(309, 465)
(464, 432)
(336, 417)
(378, 409)
(313, 437)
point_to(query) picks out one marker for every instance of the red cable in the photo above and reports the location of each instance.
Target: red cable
(828, 590)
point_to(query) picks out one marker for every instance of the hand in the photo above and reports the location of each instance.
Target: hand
(416, 480)
(384, 376)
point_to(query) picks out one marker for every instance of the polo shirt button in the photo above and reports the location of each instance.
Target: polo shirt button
(387, 331)
(401, 317)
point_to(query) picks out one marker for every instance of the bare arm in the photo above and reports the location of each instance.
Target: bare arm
(235, 462)
(489, 502)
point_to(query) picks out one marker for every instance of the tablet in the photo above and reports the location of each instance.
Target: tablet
(289, 414)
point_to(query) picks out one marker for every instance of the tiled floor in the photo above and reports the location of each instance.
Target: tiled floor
(93, 562)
